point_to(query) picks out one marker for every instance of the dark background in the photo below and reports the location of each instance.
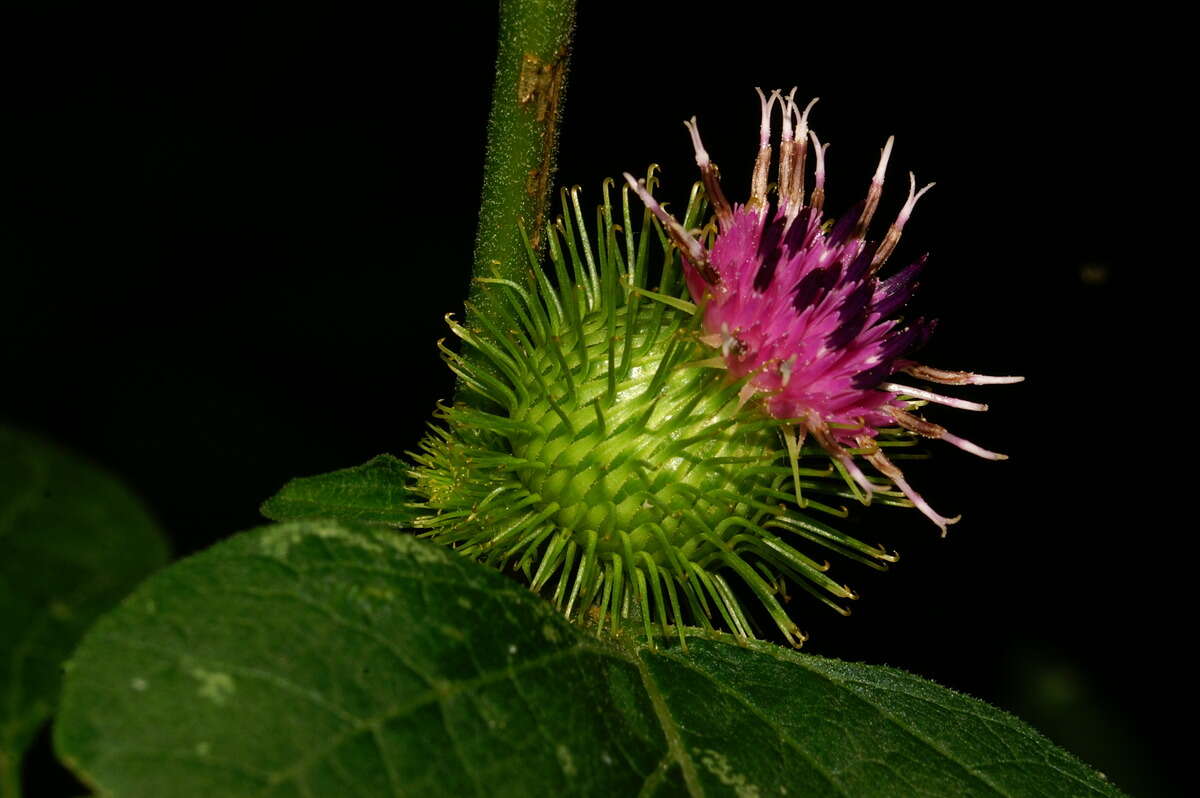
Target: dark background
(227, 242)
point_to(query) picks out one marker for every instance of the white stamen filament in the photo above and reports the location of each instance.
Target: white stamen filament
(883, 161)
(764, 129)
(961, 404)
(788, 105)
(858, 475)
(785, 370)
(819, 149)
(728, 340)
(889, 470)
(911, 202)
(967, 446)
(701, 154)
(983, 379)
(922, 505)
(944, 377)
(802, 118)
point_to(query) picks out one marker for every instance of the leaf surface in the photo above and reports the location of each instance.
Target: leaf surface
(374, 492)
(73, 542)
(320, 658)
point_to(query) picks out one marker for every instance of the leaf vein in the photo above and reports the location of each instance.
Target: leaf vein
(998, 721)
(670, 731)
(281, 682)
(425, 698)
(754, 710)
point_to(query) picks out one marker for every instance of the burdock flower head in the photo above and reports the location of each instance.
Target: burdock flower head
(795, 304)
(664, 460)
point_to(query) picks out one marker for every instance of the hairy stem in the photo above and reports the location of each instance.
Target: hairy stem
(531, 68)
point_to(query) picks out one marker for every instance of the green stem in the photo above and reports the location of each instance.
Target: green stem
(531, 68)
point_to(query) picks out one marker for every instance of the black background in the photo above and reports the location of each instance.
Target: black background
(228, 240)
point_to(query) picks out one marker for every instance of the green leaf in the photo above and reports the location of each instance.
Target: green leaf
(374, 492)
(73, 542)
(316, 658)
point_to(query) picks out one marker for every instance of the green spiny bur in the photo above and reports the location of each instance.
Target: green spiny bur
(599, 452)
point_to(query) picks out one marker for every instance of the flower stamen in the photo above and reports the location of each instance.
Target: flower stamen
(792, 193)
(818, 196)
(787, 145)
(930, 430)
(874, 192)
(824, 436)
(888, 245)
(929, 396)
(943, 377)
(762, 164)
(889, 470)
(710, 176)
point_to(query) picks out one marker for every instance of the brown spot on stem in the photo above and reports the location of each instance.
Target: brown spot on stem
(539, 89)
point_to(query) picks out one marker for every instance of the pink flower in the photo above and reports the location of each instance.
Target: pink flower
(797, 308)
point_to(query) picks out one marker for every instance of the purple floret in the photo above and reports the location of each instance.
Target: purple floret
(798, 310)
